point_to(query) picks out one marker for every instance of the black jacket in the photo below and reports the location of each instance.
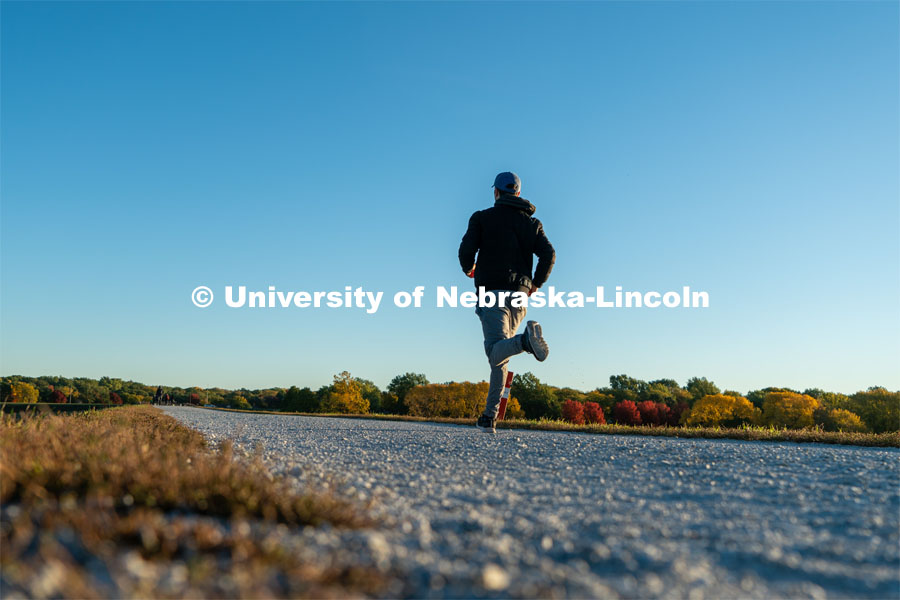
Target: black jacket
(506, 237)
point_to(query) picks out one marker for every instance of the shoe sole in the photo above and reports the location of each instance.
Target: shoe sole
(538, 343)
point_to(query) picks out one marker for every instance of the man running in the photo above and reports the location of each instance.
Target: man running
(506, 237)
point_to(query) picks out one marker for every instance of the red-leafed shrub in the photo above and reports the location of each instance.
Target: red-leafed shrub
(664, 411)
(649, 412)
(58, 397)
(114, 398)
(626, 413)
(674, 417)
(593, 413)
(573, 412)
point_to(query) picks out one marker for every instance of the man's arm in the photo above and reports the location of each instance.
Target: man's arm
(546, 257)
(470, 244)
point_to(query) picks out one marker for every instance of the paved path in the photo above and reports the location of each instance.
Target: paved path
(536, 513)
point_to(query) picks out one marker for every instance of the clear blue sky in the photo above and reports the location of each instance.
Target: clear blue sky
(749, 149)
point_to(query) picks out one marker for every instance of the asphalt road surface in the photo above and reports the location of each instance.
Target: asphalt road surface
(553, 514)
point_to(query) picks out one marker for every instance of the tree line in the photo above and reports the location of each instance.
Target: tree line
(626, 400)
(700, 402)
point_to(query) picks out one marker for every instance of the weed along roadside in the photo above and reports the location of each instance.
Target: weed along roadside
(754, 434)
(128, 502)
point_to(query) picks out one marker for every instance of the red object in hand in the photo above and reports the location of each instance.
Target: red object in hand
(472, 272)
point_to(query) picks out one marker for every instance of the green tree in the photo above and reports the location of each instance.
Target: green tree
(371, 393)
(300, 400)
(627, 388)
(604, 399)
(390, 404)
(567, 393)
(238, 401)
(538, 401)
(878, 408)
(400, 386)
(659, 391)
(816, 393)
(832, 400)
(700, 386)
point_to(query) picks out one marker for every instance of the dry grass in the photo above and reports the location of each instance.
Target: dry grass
(127, 501)
(754, 434)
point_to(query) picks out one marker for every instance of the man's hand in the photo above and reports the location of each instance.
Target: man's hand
(532, 290)
(472, 272)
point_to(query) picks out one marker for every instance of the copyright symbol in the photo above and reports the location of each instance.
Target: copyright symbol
(202, 296)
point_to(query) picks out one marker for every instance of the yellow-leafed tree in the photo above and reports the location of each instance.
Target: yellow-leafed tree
(21, 391)
(345, 396)
(714, 410)
(840, 419)
(454, 400)
(789, 409)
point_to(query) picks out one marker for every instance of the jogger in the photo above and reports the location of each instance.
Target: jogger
(505, 239)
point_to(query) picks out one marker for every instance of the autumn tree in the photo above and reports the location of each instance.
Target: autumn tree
(345, 396)
(720, 410)
(677, 413)
(839, 419)
(573, 411)
(789, 409)
(455, 400)
(593, 413)
(878, 408)
(371, 393)
(758, 397)
(21, 391)
(626, 413)
(649, 412)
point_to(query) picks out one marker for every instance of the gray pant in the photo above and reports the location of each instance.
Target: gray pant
(499, 325)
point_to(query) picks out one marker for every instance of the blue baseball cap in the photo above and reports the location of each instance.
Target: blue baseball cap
(508, 182)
